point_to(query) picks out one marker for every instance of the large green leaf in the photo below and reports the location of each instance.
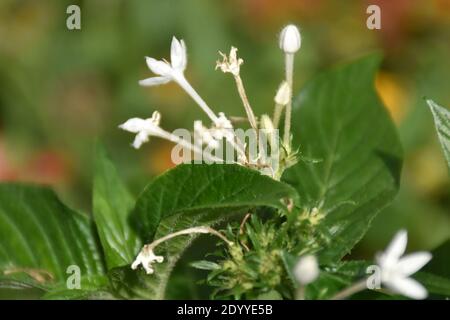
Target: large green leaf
(199, 189)
(442, 121)
(40, 234)
(112, 204)
(186, 196)
(339, 120)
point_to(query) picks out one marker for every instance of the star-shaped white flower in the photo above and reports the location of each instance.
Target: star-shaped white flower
(144, 128)
(396, 268)
(167, 71)
(146, 258)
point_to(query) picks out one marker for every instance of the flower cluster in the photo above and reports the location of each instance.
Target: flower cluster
(222, 127)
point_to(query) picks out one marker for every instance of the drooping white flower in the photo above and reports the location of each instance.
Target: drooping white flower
(306, 270)
(144, 128)
(167, 71)
(146, 258)
(230, 63)
(396, 268)
(283, 94)
(290, 39)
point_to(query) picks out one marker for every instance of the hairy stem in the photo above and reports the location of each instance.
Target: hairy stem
(354, 288)
(243, 95)
(173, 138)
(289, 65)
(201, 229)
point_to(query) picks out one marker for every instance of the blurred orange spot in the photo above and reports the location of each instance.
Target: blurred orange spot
(42, 167)
(46, 167)
(443, 8)
(7, 172)
(159, 159)
(392, 94)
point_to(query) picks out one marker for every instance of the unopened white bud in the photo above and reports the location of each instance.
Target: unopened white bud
(266, 124)
(306, 270)
(283, 94)
(290, 40)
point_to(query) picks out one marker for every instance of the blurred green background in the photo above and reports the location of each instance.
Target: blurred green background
(60, 90)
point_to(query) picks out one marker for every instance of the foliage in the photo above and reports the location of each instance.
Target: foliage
(323, 207)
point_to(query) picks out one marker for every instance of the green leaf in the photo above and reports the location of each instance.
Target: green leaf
(192, 195)
(339, 119)
(271, 295)
(441, 260)
(442, 121)
(94, 287)
(213, 190)
(434, 284)
(40, 235)
(112, 204)
(205, 265)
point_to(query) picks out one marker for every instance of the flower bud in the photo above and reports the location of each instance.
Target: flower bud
(266, 124)
(290, 40)
(283, 94)
(306, 270)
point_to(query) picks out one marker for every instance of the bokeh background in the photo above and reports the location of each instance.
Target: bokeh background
(61, 90)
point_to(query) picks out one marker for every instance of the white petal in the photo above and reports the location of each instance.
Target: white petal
(397, 246)
(178, 57)
(134, 125)
(135, 263)
(158, 67)
(412, 263)
(154, 81)
(140, 138)
(407, 287)
(148, 268)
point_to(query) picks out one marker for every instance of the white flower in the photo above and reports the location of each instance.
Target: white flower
(175, 71)
(167, 71)
(231, 64)
(205, 135)
(290, 39)
(144, 128)
(396, 268)
(146, 258)
(306, 270)
(283, 95)
(266, 124)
